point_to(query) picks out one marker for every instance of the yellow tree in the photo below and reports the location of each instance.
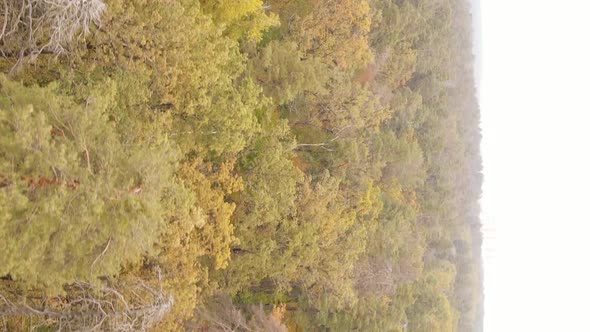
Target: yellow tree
(336, 31)
(241, 18)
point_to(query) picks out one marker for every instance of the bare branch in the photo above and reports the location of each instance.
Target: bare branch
(102, 253)
(324, 145)
(221, 315)
(46, 26)
(94, 308)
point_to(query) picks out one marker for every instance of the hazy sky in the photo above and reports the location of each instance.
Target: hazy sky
(535, 101)
(477, 42)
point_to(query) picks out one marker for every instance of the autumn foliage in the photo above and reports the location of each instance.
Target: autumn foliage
(214, 165)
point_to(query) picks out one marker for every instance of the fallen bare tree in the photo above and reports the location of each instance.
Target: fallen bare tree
(324, 145)
(33, 27)
(127, 306)
(219, 314)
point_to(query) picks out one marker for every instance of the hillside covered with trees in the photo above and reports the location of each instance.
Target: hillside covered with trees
(239, 165)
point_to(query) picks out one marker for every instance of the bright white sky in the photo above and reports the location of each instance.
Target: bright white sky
(535, 101)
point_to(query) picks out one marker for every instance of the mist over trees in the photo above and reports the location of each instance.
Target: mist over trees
(215, 165)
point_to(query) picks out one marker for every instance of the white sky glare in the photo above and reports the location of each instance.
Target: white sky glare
(535, 103)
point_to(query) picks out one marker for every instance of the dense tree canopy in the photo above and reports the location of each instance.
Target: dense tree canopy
(67, 174)
(218, 165)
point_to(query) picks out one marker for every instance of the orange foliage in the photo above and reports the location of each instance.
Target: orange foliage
(45, 181)
(367, 75)
(278, 313)
(301, 164)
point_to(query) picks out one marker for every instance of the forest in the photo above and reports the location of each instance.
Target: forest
(239, 165)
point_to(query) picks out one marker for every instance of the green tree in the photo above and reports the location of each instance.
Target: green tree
(79, 198)
(265, 205)
(282, 71)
